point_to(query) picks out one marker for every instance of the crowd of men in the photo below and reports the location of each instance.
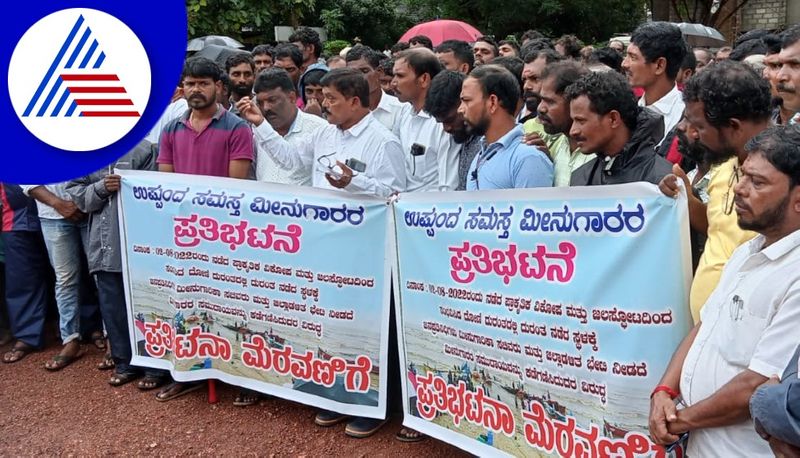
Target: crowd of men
(478, 116)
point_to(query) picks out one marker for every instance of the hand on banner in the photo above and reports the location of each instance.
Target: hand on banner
(343, 179)
(662, 411)
(112, 183)
(249, 111)
(669, 184)
(533, 139)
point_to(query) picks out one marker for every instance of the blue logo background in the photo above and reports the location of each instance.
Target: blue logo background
(160, 26)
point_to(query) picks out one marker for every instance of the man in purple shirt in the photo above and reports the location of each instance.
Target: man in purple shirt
(207, 139)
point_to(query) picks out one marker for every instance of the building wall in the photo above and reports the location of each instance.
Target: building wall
(764, 14)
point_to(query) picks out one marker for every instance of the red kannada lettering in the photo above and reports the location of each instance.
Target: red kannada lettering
(508, 263)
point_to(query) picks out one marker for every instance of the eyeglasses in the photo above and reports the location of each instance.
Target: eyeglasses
(729, 199)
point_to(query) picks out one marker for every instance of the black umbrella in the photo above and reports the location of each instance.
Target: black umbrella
(701, 35)
(196, 44)
(218, 54)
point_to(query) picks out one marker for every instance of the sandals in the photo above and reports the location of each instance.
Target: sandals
(60, 361)
(17, 352)
(246, 398)
(151, 382)
(99, 340)
(409, 435)
(119, 379)
(177, 389)
(107, 363)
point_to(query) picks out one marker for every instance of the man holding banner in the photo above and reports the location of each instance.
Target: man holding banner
(355, 152)
(748, 325)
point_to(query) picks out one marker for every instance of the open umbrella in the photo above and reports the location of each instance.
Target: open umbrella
(443, 29)
(196, 44)
(218, 54)
(701, 35)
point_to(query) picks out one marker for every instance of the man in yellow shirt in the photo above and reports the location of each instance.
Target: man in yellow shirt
(727, 104)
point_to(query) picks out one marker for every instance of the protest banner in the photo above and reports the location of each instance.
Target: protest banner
(540, 319)
(279, 289)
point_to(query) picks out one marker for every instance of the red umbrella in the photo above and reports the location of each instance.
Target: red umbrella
(443, 29)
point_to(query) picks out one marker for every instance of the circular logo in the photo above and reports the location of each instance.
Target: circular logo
(79, 79)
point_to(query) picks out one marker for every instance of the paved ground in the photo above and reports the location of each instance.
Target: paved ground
(75, 412)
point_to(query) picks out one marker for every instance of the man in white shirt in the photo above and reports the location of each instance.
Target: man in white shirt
(430, 154)
(385, 108)
(654, 58)
(353, 134)
(749, 324)
(276, 98)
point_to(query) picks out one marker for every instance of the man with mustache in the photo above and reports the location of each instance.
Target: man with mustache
(727, 104)
(748, 327)
(789, 74)
(535, 62)
(489, 98)
(607, 122)
(276, 99)
(555, 120)
(241, 69)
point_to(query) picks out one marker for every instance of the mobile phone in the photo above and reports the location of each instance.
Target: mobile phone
(356, 165)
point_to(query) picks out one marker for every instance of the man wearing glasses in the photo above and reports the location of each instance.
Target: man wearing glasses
(748, 327)
(354, 152)
(727, 104)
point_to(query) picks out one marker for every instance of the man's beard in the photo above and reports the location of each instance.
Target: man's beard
(532, 100)
(770, 218)
(460, 135)
(550, 127)
(480, 128)
(242, 90)
(696, 151)
(199, 101)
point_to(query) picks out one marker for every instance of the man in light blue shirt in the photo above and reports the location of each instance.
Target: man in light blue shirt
(488, 102)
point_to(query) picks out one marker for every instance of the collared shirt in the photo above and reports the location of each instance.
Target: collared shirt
(17, 210)
(749, 322)
(367, 141)
(388, 110)
(303, 127)
(208, 152)
(437, 168)
(724, 235)
(509, 163)
(670, 107)
(565, 160)
(469, 149)
(45, 211)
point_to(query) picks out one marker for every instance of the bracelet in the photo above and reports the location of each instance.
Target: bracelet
(672, 393)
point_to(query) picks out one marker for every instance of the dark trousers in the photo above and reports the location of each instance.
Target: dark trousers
(26, 270)
(3, 308)
(111, 293)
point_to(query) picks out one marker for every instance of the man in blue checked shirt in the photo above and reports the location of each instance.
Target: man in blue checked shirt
(488, 100)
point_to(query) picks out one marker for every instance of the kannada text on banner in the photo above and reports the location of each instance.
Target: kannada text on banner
(279, 289)
(540, 320)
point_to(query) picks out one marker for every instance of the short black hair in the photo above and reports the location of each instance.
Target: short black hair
(550, 56)
(780, 145)
(387, 65)
(661, 39)
(531, 35)
(261, 49)
(565, 73)
(496, 80)
(489, 40)
(572, 46)
(790, 36)
(512, 64)
(227, 84)
(200, 67)
(533, 47)
(444, 95)
(689, 60)
(421, 62)
(607, 56)
(511, 43)
(606, 91)
(284, 50)
(728, 90)
(772, 42)
(307, 36)
(421, 39)
(399, 46)
(748, 48)
(358, 52)
(349, 82)
(273, 78)
(238, 59)
(314, 76)
(460, 49)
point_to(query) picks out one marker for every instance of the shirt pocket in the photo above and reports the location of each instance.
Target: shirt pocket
(746, 317)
